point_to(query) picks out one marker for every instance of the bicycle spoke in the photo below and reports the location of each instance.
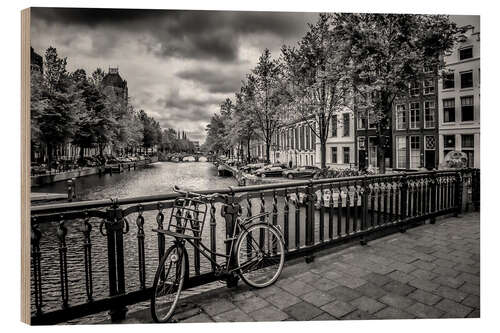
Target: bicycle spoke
(260, 264)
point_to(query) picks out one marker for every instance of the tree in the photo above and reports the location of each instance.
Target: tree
(97, 77)
(53, 103)
(216, 134)
(387, 52)
(89, 111)
(243, 126)
(318, 78)
(267, 82)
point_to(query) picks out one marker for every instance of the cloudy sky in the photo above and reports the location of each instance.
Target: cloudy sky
(179, 65)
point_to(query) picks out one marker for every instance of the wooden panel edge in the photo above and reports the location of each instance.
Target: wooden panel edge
(25, 166)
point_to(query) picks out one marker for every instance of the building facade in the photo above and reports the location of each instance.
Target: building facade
(114, 85)
(366, 138)
(415, 128)
(340, 144)
(459, 96)
(294, 144)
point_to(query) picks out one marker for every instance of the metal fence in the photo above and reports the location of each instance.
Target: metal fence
(71, 279)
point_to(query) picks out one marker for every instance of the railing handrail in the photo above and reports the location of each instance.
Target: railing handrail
(102, 203)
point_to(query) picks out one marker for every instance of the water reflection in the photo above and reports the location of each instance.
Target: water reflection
(157, 178)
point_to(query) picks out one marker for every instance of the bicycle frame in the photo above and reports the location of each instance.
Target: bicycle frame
(206, 252)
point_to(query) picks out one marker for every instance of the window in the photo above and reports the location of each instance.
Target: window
(347, 155)
(297, 138)
(334, 125)
(465, 53)
(449, 110)
(468, 141)
(401, 121)
(362, 120)
(428, 69)
(429, 111)
(334, 154)
(347, 124)
(429, 87)
(372, 151)
(308, 138)
(430, 142)
(414, 115)
(467, 108)
(448, 143)
(449, 81)
(302, 137)
(468, 148)
(414, 152)
(414, 89)
(361, 142)
(401, 152)
(372, 120)
(466, 80)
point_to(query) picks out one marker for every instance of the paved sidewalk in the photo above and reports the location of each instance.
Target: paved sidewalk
(431, 271)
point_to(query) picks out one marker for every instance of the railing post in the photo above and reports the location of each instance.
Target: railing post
(70, 190)
(476, 189)
(364, 205)
(229, 212)
(458, 193)
(115, 225)
(310, 200)
(404, 198)
(433, 197)
(75, 189)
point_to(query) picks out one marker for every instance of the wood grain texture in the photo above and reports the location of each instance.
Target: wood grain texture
(25, 165)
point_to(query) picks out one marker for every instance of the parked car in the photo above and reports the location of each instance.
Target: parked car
(269, 170)
(252, 167)
(300, 172)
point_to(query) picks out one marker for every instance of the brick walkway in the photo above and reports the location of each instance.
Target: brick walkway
(431, 271)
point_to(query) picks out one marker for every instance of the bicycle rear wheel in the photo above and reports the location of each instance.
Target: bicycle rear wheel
(168, 283)
(260, 255)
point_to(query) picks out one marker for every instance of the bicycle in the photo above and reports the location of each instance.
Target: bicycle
(259, 261)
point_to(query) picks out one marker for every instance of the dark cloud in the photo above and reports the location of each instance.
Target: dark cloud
(184, 34)
(215, 81)
(176, 101)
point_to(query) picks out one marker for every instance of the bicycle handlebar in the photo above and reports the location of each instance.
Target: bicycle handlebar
(194, 194)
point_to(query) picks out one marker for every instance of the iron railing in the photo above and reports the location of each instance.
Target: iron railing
(100, 260)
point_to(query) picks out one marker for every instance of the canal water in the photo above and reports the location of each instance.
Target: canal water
(157, 178)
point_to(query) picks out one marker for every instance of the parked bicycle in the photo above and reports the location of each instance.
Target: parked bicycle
(256, 245)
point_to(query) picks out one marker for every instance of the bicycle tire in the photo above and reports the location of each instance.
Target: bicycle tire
(156, 308)
(249, 270)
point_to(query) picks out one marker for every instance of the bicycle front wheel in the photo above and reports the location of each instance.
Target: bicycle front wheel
(168, 283)
(260, 255)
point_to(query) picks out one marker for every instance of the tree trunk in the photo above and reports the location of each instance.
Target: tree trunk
(268, 152)
(248, 151)
(49, 156)
(381, 150)
(381, 159)
(323, 154)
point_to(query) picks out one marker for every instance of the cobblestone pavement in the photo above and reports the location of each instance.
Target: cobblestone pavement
(431, 271)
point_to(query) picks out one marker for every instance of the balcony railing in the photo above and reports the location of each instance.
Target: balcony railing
(92, 256)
